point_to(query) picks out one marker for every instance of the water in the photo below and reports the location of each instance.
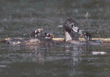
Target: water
(20, 18)
(61, 61)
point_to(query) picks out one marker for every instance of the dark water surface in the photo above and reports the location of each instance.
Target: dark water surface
(58, 61)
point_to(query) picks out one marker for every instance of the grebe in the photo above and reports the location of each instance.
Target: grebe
(71, 30)
(48, 36)
(87, 36)
(43, 36)
(36, 33)
(73, 33)
(38, 38)
(34, 40)
(47, 39)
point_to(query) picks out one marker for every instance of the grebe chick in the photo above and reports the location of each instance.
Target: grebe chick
(38, 38)
(37, 33)
(48, 36)
(47, 39)
(87, 36)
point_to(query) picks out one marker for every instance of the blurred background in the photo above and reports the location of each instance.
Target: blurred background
(18, 18)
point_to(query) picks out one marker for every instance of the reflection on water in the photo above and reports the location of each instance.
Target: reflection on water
(62, 60)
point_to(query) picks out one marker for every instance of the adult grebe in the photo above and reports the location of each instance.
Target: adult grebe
(71, 29)
(35, 35)
(73, 33)
(37, 38)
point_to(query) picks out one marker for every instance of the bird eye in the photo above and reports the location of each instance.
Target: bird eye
(72, 24)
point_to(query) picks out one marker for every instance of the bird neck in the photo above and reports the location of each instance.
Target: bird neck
(67, 36)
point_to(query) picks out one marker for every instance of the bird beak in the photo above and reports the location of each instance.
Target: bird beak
(51, 36)
(75, 29)
(82, 35)
(39, 30)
